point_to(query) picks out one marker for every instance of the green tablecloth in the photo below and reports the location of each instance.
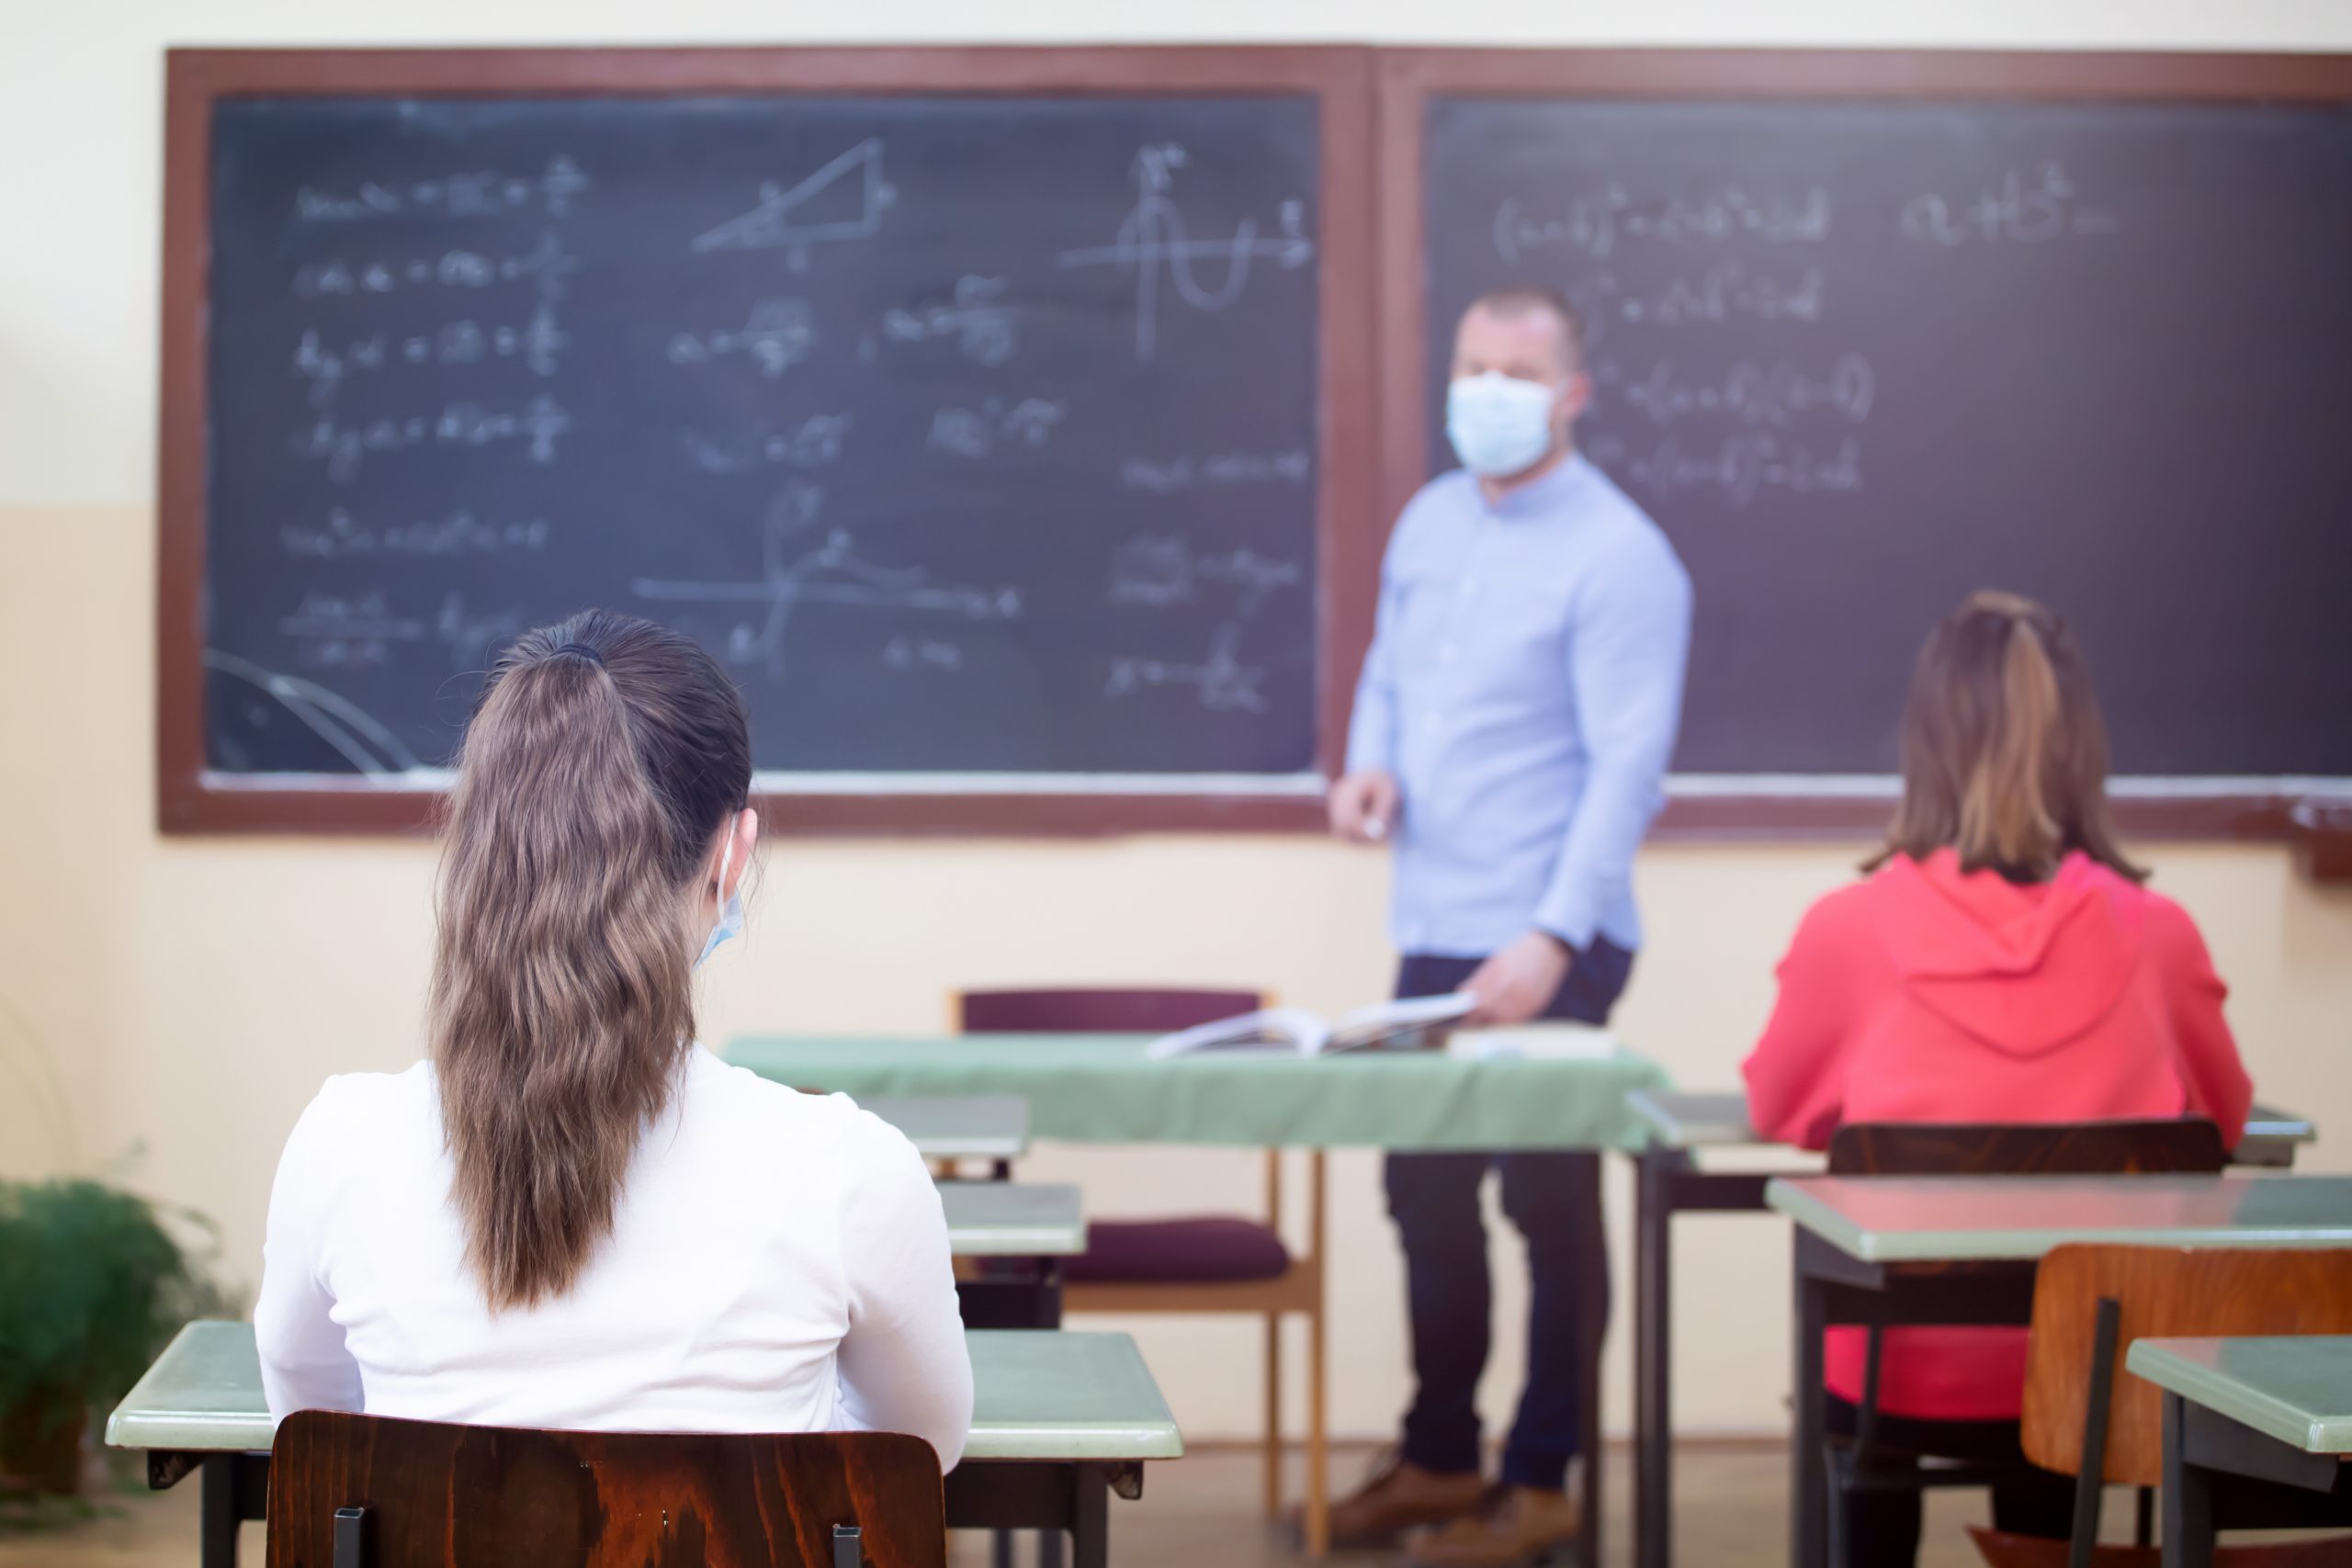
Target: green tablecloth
(1099, 1088)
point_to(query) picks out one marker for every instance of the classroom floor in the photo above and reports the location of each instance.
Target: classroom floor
(1730, 1509)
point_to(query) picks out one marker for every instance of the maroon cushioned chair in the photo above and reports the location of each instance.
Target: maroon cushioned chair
(1227, 1264)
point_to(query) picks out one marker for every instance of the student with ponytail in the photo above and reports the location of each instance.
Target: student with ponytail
(572, 1215)
(2002, 963)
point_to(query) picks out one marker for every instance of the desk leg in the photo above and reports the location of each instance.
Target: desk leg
(1653, 1360)
(1089, 1530)
(1593, 1328)
(2189, 1498)
(1808, 1482)
(216, 1529)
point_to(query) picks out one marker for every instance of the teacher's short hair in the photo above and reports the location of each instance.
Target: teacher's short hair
(1526, 298)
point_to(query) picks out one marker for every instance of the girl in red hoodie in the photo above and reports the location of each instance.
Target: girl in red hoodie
(2001, 962)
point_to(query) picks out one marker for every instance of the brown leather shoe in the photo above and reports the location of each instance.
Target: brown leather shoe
(1518, 1527)
(1397, 1496)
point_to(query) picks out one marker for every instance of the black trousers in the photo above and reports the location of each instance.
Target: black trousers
(1433, 1198)
(1883, 1528)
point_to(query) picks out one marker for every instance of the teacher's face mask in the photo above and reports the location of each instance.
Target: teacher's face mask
(1499, 425)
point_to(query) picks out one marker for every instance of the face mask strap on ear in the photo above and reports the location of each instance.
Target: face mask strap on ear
(726, 860)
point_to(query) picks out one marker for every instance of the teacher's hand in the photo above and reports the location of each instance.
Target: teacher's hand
(1363, 806)
(1519, 982)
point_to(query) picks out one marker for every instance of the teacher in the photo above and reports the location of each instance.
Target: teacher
(1516, 714)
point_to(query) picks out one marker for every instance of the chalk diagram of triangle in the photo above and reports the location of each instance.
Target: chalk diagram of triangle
(843, 200)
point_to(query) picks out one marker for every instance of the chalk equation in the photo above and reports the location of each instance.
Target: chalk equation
(360, 631)
(1161, 570)
(842, 200)
(811, 443)
(1595, 225)
(977, 319)
(1221, 681)
(1726, 291)
(775, 336)
(1741, 468)
(923, 653)
(1152, 240)
(1167, 476)
(978, 432)
(830, 573)
(480, 193)
(538, 344)
(341, 538)
(2015, 209)
(536, 426)
(1756, 394)
(460, 269)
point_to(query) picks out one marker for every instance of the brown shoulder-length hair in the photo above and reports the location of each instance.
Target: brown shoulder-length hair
(604, 755)
(2004, 752)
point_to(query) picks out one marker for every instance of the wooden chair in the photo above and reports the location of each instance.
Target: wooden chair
(1221, 1264)
(2086, 1417)
(366, 1492)
(2179, 1147)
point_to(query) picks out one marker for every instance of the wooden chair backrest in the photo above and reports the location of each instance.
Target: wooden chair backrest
(2163, 1292)
(2185, 1146)
(1102, 1010)
(439, 1495)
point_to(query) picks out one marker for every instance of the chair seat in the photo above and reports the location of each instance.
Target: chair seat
(1201, 1248)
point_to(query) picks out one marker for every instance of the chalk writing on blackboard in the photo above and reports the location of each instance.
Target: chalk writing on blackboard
(2015, 210)
(355, 734)
(537, 424)
(1596, 224)
(459, 534)
(843, 200)
(1165, 476)
(921, 653)
(1727, 290)
(811, 443)
(480, 193)
(1756, 394)
(1161, 570)
(1740, 469)
(450, 269)
(832, 573)
(977, 320)
(1152, 237)
(1223, 681)
(538, 344)
(776, 335)
(976, 433)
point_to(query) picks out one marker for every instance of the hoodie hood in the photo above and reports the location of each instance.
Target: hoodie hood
(2023, 970)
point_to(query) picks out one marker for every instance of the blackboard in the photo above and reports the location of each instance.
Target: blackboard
(1860, 357)
(979, 435)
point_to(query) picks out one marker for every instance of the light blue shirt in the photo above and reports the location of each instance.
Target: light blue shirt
(1524, 686)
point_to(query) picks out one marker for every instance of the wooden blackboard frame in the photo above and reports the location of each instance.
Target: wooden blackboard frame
(1726, 806)
(1348, 529)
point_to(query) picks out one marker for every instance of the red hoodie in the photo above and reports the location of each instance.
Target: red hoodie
(1925, 995)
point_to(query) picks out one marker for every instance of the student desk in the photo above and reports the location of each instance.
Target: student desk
(2265, 1410)
(1667, 1180)
(1012, 1219)
(1059, 1421)
(1103, 1088)
(967, 1126)
(1880, 1249)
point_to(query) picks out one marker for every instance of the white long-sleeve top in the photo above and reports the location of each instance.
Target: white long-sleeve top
(778, 1263)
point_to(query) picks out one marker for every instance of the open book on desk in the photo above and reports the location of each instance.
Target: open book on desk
(1416, 1024)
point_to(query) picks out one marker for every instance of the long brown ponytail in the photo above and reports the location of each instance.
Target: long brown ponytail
(2003, 751)
(605, 756)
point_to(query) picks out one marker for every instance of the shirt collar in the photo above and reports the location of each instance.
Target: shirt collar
(1534, 499)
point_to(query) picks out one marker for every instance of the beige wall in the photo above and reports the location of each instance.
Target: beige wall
(190, 994)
